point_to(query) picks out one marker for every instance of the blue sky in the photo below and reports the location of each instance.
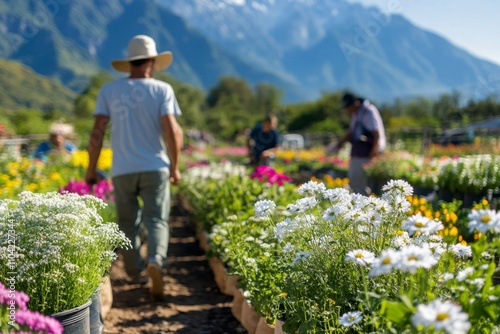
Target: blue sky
(472, 25)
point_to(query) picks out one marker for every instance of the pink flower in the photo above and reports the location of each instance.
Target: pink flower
(266, 173)
(29, 321)
(18, 298)
(38, 322)
(103, 189)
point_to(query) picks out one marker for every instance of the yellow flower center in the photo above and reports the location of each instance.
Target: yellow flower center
(485, 219)
(351, 318)
(387, 260)
(412, 258)
(359, 255)
(442, 316)
(419, 224)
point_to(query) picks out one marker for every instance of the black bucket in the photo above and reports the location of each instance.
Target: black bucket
(96, 322)
(75, 320)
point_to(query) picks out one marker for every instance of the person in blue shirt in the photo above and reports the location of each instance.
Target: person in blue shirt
(263, 141)
(58, 143)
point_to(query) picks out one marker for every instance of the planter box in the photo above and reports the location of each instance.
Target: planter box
(249, 319)
(238, 301)
(219, 272)
(263, 327)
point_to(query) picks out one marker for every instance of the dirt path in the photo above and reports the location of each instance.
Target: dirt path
(192, 304)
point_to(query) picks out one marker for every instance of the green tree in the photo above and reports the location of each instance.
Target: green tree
(267, 99)
(191, 101)
(29, 121)
(323, 115)
(85, 102)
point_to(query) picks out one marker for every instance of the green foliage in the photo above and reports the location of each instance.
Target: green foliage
(23, 88)
(29, 121)
(191, 101)
(323, 115)
(85, 102)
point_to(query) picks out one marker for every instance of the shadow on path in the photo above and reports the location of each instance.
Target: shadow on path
(192, 304)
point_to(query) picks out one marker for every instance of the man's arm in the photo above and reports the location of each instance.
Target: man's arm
(174, 135)
(95, 146)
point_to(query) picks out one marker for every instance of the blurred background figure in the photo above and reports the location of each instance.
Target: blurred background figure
(59, 143)
(367, 137)
(263, 141)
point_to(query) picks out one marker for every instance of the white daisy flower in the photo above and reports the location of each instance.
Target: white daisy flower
(303, 204)
(399, 204)
(479, 282)
(336, 195)
(414, 257)
(446, 277)
(421, 225)
(311, 188)
(388, 260)
(288, 248)
(264, 208)
(350, 318)
(461, 250)
(442, 315)
(401, 240)
(399, 187)
(358, 200)
(484, 220)
(283, 228)
(360, 256)
(299, 257)
(465, 273)
(330, 214)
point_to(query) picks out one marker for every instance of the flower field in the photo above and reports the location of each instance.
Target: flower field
(311, 255)
(324, 260)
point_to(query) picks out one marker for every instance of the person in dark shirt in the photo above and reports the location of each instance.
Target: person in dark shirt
(263, 141)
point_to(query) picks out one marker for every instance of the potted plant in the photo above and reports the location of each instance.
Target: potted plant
(56, 248)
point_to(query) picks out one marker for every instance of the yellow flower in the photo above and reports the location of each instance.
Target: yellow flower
(55, 176)
(33, 187)
(454, 231)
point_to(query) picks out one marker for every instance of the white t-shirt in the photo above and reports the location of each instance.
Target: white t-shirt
(135, 108)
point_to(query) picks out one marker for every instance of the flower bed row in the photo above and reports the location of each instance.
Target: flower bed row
(324, 260)
(468, 178)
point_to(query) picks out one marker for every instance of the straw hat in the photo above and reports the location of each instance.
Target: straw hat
(143, 47)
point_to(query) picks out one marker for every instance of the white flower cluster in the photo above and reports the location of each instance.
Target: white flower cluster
(60, 240)
(214, 171)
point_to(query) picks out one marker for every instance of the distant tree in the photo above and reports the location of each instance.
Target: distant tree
(233, 87)
(29, 121)
(191, 101)
(323, 115)
(267, 98)
(85, 102)
(446, 109)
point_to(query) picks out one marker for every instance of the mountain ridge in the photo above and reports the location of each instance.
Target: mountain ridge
(302, 47)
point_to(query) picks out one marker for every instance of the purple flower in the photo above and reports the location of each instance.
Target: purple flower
(103, 189)
(12, 297)
(38, 322)
(30, 322)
